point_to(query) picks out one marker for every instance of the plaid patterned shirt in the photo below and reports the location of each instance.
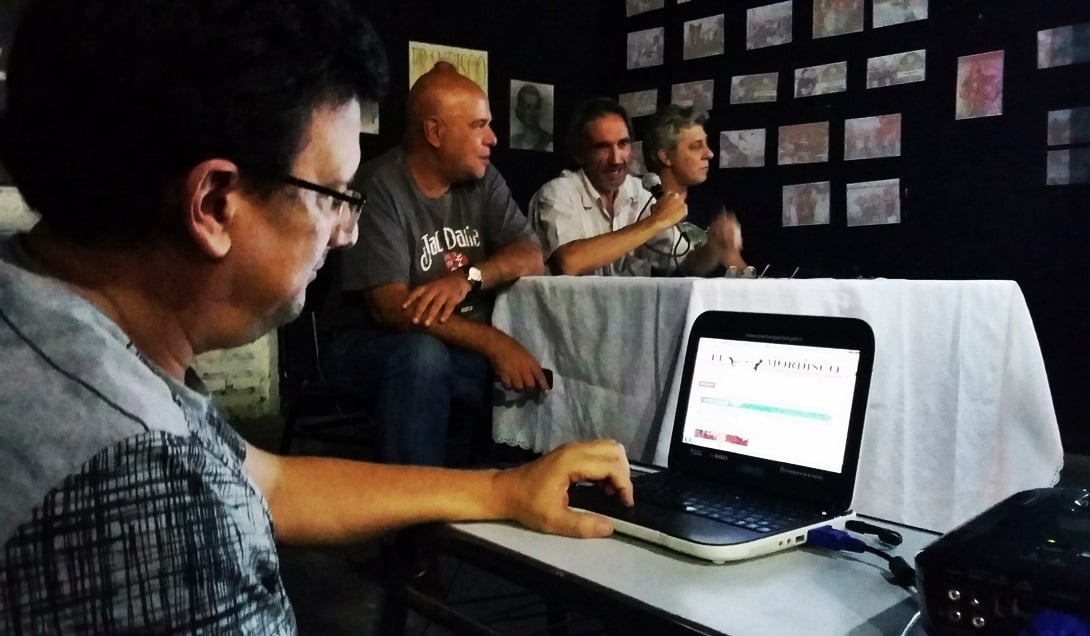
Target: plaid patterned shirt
(124, 503)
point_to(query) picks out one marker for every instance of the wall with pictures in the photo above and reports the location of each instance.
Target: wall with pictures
(968, 130)
(876, 138)
(886, 138)
(558, 47)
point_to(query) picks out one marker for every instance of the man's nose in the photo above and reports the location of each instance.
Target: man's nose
(341, 238)
(490, 139)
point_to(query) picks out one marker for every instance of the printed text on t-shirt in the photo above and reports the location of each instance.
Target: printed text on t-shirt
(450, 238)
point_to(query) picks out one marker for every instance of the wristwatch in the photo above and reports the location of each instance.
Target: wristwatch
(473, 276)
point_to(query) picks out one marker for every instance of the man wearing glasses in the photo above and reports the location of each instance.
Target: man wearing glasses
(185, 206)
(441, 232)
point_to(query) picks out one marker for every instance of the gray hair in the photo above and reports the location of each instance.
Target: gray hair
(664, 130)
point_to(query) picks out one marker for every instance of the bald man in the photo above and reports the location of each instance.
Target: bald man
(440, 233)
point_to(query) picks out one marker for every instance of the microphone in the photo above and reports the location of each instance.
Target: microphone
(694, 234)
(653, 184)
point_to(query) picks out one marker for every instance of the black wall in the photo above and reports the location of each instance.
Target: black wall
(566, 43)
(974, 199)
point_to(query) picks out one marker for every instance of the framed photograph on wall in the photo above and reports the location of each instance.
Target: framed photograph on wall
(890, 12)
(837, 17)
(640, 103)
(699, 94)
(645, 48)
(469, 62)
(769, 25)
(742, 148)
(806, 204)
(636, 7)
(531, 116)
(1064, 45)
(1069, 126)
(753, 89)
(703, 37)
(872, 137)
(897, 68)
(874, 202)
(821, 79)
(979, 86)
(804, 143)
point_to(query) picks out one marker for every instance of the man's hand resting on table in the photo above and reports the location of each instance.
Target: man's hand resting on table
(536, 494)
(514, 366)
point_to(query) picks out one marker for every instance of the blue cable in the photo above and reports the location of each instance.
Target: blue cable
(835, 539)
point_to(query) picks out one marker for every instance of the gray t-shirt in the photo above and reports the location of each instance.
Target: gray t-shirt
(406, 237)
(124, 502)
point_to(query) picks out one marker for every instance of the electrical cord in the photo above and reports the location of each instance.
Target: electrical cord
(885, 535)
(646, 206)
(903, 574)
(911, 623)
(674, 254)
(677, 244)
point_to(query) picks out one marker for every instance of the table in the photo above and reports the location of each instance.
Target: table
(959, 417)
(638, 587)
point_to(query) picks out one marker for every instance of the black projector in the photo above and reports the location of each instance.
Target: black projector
(1020, 564)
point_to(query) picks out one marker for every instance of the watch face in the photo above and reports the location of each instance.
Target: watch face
(473, 274)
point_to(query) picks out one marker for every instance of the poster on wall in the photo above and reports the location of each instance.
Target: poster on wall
(769, 25)
(1063, 45)
(742, 148)
(469, 62)
(890, 12)
(874, 202)
(531, 116)
(806, 204)
(703, 37)
(837, 17)
(369, 117)
(821, 79)
(897, 68)
(700, 94)
(636, 7)
(1069, 166)
(872, 137)
(804, 143)
(979, 86)
(640, 103)
(644, 48)
(752, 89)
(1069, 126)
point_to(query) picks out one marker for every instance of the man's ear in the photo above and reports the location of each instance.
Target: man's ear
(209, 201)
(432, 133)
(664, 158)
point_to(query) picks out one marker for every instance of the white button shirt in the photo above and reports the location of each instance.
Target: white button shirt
(568, 208)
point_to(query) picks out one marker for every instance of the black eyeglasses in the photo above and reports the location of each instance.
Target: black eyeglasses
(350, 200)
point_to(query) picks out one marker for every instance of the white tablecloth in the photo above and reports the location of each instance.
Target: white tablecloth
(959, 416)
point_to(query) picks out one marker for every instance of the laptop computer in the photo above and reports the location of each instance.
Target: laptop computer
(766, 438)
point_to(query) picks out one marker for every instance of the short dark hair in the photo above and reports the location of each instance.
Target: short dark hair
(110, 103)
(665, 129)
(525, 92)
(584, 113)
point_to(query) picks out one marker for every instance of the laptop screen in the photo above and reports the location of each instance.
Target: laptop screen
(774, 401)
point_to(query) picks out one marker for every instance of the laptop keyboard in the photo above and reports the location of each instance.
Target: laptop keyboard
(748, 511)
